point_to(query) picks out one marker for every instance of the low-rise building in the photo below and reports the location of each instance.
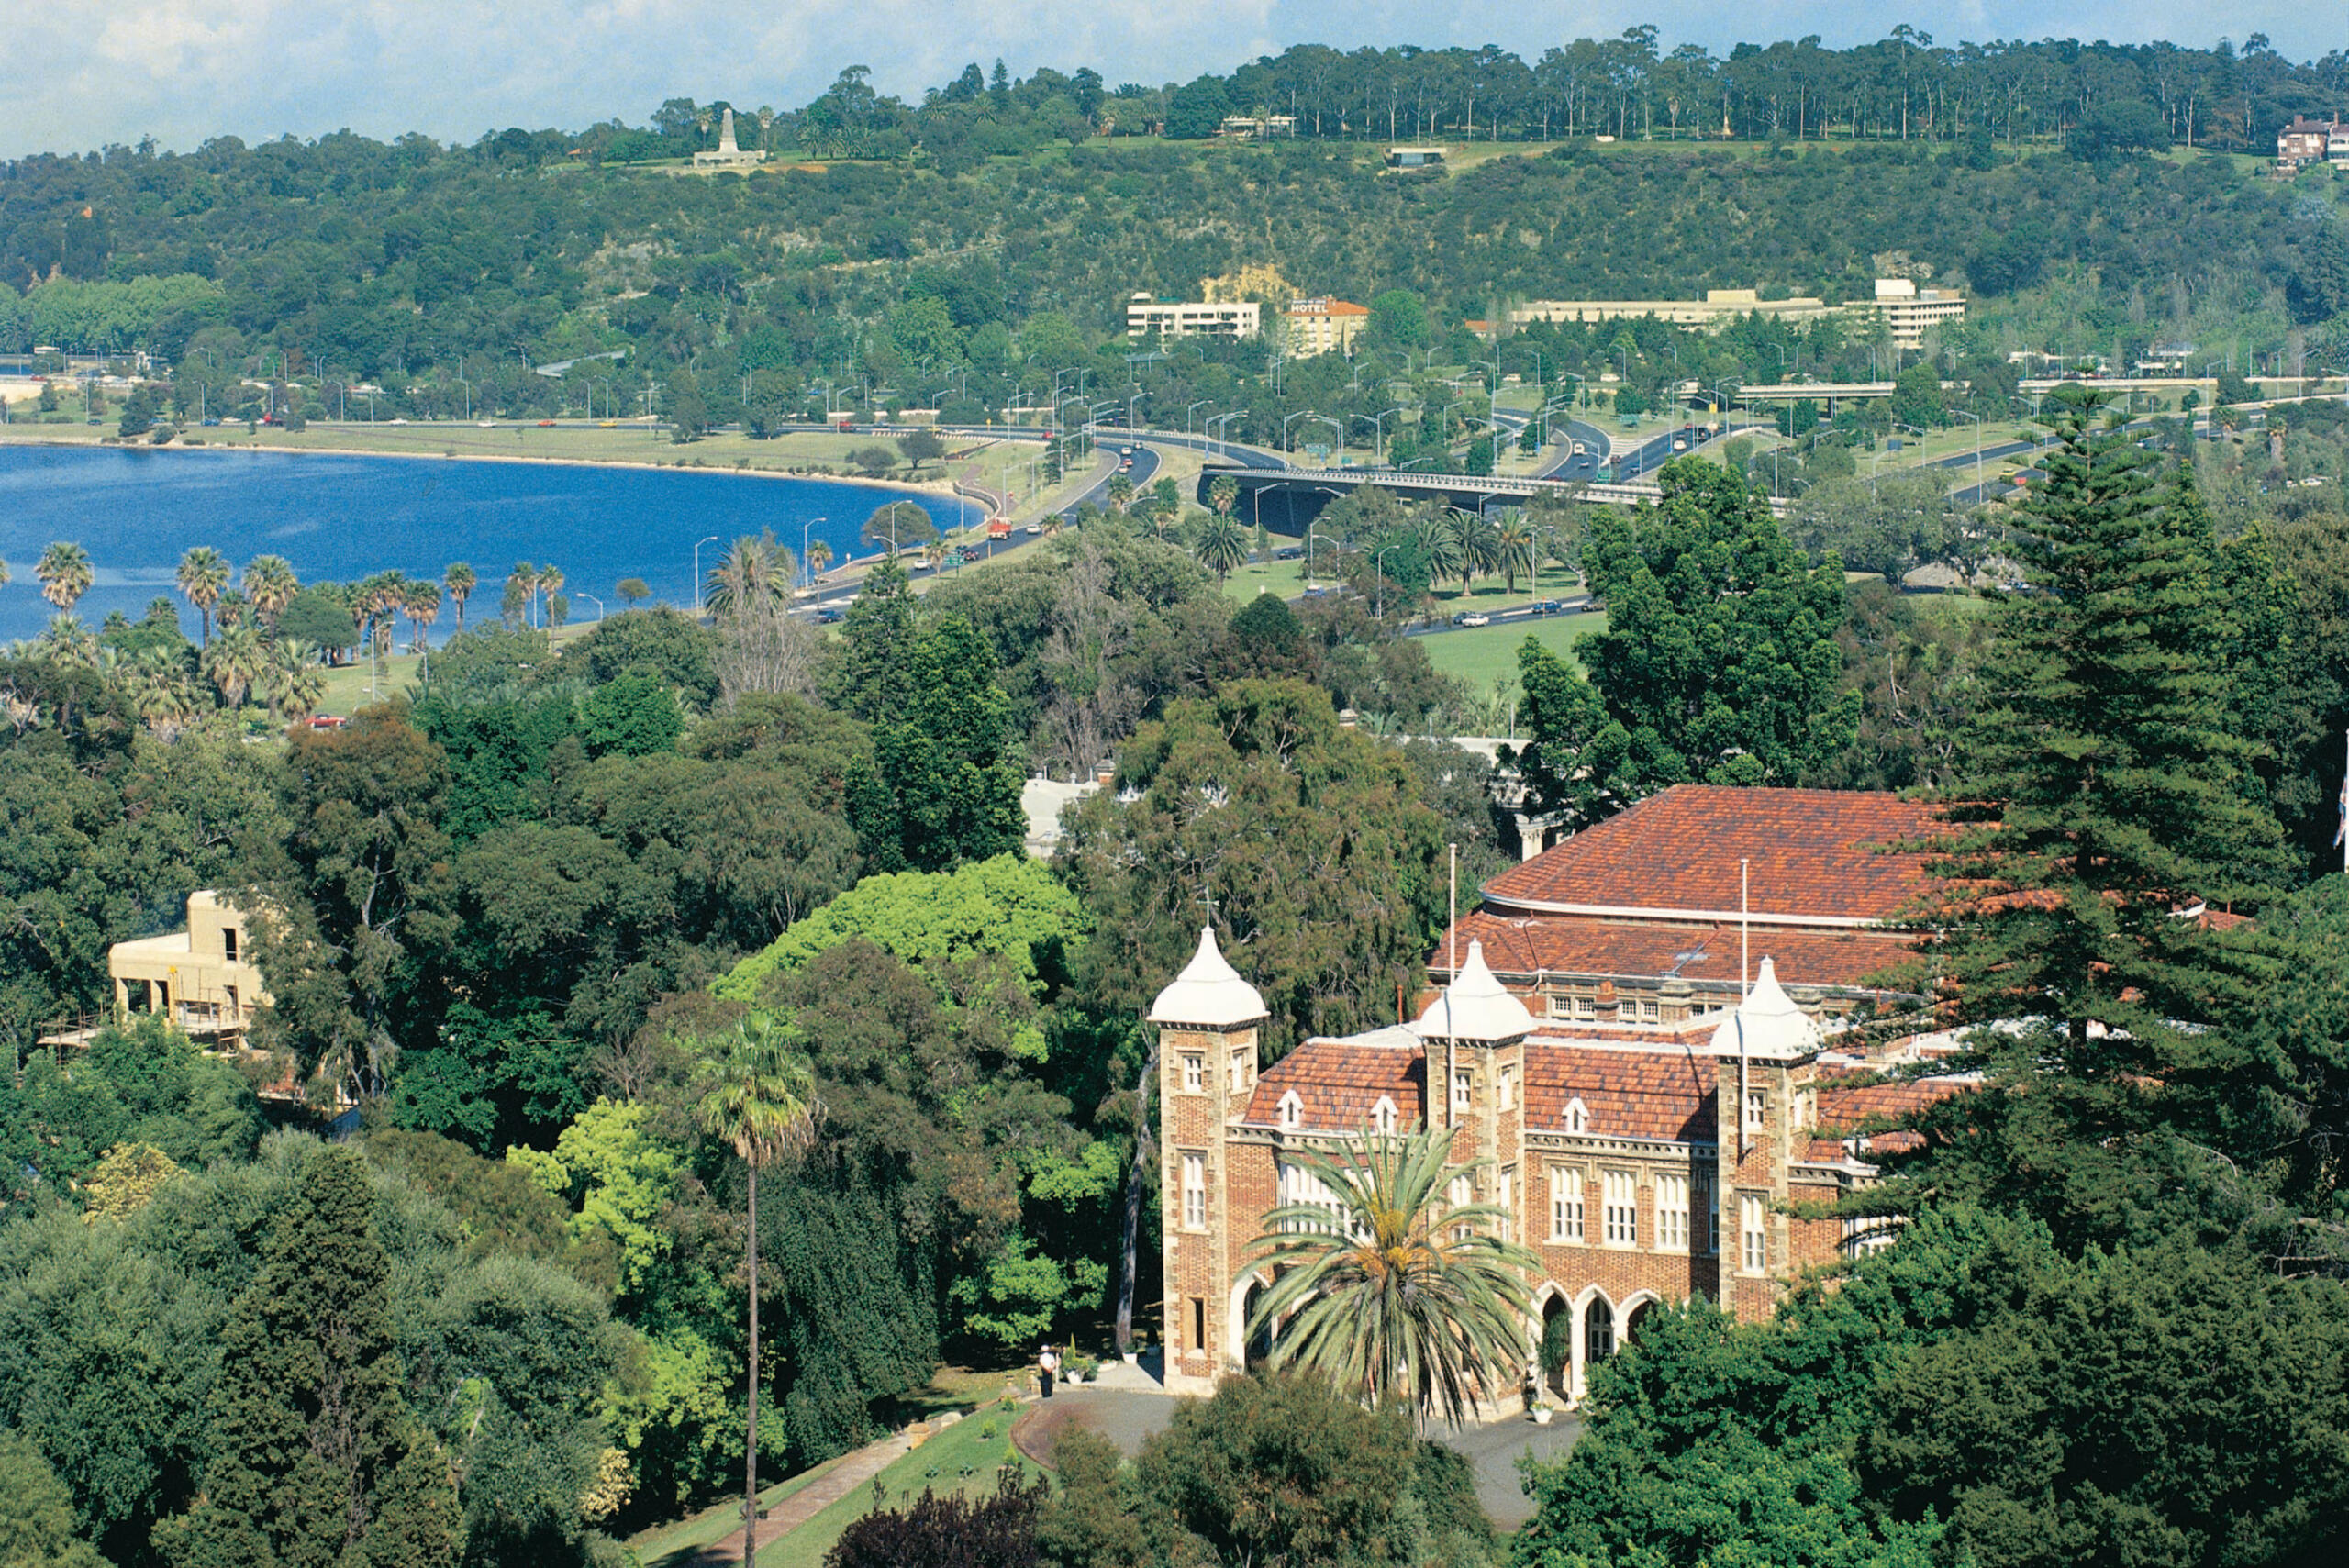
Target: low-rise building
(1416, 160)
(1909, 312)
(1311, 327)
(202, 978)
(2304, 141)
(1148, 316)
(1716, 310)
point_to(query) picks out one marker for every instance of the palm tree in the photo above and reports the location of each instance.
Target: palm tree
(159, 692)
(1480, 548)
(422, 600)
(523, 583)
(65, 573)
(752, 571)
(1224, 495)
(819, 558)
(1439, 542)
(549, 582)
(460, 579)
(237, 662)
(4, 574)
(270, 585)
(67, 638)
(1514, 539)
(1221, 546)
(292, 682)
(1402, 1289)
(758, 1094)
(204, 577)
(1121, 491)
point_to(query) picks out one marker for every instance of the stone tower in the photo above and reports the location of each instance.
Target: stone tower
(1475, 1033)
(1207, 1024)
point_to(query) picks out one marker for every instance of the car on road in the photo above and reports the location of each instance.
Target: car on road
(1476, 618)
(1291, 553)
(1033, 529)
(487, 424)
(1548, 607)
(546, 424)
(828, 614)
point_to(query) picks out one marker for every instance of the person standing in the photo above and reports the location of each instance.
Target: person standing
(1047, 1364)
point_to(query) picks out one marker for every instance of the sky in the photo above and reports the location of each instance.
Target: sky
(77, 74)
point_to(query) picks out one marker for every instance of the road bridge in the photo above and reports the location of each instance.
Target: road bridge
(1302, 492)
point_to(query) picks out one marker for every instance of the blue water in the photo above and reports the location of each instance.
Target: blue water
(341, 518)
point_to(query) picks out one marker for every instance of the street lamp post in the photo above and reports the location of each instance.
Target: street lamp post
(807, 576)
(1300, 413)
(698, 595)
(1223, 421)
(583, 593)
(1340, 430)
(1379, 434)
(1378, 571)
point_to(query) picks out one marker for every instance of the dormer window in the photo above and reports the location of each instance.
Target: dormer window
(1577, 1117)
(1383, 1116)
(1292, 1111)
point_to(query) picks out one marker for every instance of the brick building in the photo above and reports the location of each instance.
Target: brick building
(1601, 1135)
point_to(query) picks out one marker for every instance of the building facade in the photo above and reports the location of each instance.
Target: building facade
(2304, 142)
(1910, 312)
(1148, 316)
(1311, 327)
(1640, 1057)
(203, 978)
(1606, 1148)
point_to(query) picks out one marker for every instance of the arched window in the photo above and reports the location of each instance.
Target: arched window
(1292, 1111)
(1383, 1116)
(1577, 1117)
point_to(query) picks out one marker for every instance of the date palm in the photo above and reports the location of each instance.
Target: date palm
(758, 1094)
(750, 571)
(65, 575)
(1480, 548)
(236, 661)
(270, 585)
(460, 580)
(1399, 1296)
(203, 577)
(1514, 540)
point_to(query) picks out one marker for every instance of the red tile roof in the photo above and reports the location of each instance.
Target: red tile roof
(1575, 944)
(1339, 1083)
(1812, 854)
(1665, 1094)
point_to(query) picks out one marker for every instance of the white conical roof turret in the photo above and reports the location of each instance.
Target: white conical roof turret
(1475, 1006)
(1209, 992)
(1767, 1023)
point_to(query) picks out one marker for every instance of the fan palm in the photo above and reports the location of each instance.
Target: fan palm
(65, 575)
(422, 599)
(1514, 540)
(203, 577)
(550, 581)
(819, 557)
(1221, 546)
(237, 662)
(67, 638)
(1121, 491)
(522, 584)
(158, 686)
(758, 1094)
(270, 585)
(1480, 548)
(460, 580)
(1400, 1296)
(293, 682)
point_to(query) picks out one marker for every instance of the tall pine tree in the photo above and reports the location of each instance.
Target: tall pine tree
(314, 1461)
(2105, 837)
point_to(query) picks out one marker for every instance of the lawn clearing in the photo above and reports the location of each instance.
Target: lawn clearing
(964, 1457)
(1482, 656)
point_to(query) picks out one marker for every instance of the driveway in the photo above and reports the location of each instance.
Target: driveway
(1126, 1416)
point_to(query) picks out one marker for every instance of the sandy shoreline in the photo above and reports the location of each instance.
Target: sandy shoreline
(937, 487)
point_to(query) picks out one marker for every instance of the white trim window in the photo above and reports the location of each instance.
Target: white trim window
(1194, 1073)
(1505, 1197)
(1704, 1209)
(1240, 1061)
(1757, 1109)
(1461, 1194)
(1566, 1204)
(1577, 1116)
(1672, 1214)
(1383, 1116)
(1620, 1192)
(1464, 1088)
(1508, 1088)
(1863, 1234)
(1754, 1235)
(1194, 1192)
(1292, 1112)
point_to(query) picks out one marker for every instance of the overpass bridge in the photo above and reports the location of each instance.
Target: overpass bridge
(1302, 492)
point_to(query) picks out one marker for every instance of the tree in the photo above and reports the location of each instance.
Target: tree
(688, 410)
(2100, 792)
(633, 591)
(899, 524)
(920, 447)
(237, 661)
(459, 578)
(1888, 526)
(1221, 546)
(752, 571)
(757, 1096)
(1719, 663)
(203, 576)
(269, 586)
(997, 1530)
(1223, 494)
(36, 1513)
(2115, 127)
(945, 782)
(319, 619)
(1399, 319)
(1397, 1292)
(65, 575)
(313, 1458)
(1197, 110)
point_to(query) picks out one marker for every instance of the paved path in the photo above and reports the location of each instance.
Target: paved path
(852, 1473)
(1127, 1416)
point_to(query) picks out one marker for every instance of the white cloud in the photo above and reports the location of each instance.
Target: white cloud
(77, 73)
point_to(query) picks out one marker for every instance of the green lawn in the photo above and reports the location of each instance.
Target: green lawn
(348, 685)
(964, 1457)
(1484, 656)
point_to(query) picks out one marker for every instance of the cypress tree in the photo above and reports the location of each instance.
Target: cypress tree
(2105, 835)
(313, 1460)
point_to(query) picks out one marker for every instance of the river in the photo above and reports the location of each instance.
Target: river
(136, 511)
